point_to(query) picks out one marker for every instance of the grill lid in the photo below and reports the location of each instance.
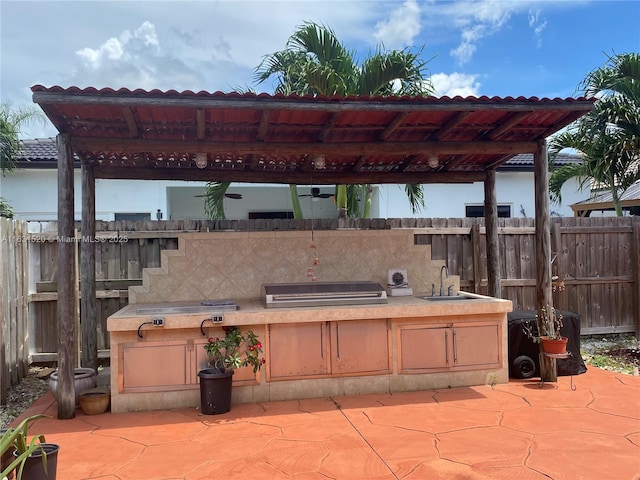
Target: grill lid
(310, 294)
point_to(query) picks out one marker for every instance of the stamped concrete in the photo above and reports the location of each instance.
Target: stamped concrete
(508, 431)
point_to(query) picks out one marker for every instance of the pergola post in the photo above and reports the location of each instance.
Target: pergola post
(548, 371)
(89, 344)
(66, 281)
(491, 236)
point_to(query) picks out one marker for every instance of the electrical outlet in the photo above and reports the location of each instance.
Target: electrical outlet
(158, 321)
(217, 318)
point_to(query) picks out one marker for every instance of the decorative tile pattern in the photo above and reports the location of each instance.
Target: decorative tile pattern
(234, 265)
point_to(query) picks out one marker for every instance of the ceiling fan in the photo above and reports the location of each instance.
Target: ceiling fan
(234, 196)
(315, 193)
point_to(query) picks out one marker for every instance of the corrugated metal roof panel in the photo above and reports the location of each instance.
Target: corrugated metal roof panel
(259, 132)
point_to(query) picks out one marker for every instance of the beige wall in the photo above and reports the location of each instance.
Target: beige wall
(229, 265)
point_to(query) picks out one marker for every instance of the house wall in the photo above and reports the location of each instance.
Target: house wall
(449, 200)
(33, 194)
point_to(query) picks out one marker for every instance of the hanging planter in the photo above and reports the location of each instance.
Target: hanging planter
(557, 346)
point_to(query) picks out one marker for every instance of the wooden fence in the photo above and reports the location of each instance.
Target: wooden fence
(596, 261)
(14, 292)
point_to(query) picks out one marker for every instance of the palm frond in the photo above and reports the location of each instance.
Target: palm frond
(214, 195)
(415, 194)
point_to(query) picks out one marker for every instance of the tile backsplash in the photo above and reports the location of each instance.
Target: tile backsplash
(229, 265)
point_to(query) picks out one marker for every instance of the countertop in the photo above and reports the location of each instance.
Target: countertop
(252, 312)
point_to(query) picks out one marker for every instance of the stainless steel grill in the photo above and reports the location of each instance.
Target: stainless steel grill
(313, 294)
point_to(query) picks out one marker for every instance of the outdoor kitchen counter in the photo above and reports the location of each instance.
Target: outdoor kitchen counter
(187, 315)
(408, 343)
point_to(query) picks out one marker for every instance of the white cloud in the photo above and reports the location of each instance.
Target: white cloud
(453, 84)
(478, 19)
(136, 59)
(537, 25)
(402, 26)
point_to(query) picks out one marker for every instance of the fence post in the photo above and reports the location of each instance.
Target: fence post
(636, 266)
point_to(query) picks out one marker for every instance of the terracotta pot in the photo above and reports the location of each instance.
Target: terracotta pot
(215, 391)
(83, 378)
(95, 401)
(553, 345)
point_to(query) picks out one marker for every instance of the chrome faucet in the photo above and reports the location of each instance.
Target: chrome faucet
(442, 269)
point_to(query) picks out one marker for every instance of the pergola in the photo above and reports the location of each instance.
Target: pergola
(233, 137)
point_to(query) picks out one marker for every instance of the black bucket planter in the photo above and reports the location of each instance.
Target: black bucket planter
(215, 391)
(34, 465)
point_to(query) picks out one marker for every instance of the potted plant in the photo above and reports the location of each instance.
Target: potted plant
(547, 331)
(32, 459)
(233, 351)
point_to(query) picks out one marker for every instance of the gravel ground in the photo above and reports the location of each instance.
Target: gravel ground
(22, 395)
(625, 359)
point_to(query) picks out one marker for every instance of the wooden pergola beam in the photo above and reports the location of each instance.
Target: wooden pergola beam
(131, 145)
(88, 310)
(544, 299)
(66, 275)
(282, 176)
(491, 237)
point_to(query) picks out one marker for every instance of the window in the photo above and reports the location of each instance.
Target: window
(132, 216)
(474, 211)
(270, 215)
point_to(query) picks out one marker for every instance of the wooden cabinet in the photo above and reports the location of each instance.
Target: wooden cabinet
(297, 350)
(152, 366)
(168, 365)
(443, 347)
(328, 348)
(477, 345)
(359, 346)
(424, 347)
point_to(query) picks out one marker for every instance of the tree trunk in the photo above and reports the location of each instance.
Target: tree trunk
(341, 201)
(367, 201)
(295, 202)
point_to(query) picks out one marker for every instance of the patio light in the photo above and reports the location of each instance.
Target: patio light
(201, 160)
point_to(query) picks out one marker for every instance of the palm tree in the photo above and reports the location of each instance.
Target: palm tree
(608, 137)
(316, 63)
(11, 121)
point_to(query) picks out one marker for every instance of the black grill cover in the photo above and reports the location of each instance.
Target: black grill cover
(522, 346)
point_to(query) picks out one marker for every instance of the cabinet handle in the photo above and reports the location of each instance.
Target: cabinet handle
(455, 349)
(446, 347)
(321, 341)
(338, 339)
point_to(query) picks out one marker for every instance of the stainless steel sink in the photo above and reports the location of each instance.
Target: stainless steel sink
(446, 298)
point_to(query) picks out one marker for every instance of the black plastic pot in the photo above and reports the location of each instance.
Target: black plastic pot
(34, 465)
(215, 391)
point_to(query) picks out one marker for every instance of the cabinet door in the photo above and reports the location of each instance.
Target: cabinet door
(476, 345)
(423, 348)
(359, 346)
(297, 350)
(149, 366)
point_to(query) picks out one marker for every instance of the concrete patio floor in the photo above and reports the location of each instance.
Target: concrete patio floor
(511, 431)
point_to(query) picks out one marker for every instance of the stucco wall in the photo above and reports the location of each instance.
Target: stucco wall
(33, 194)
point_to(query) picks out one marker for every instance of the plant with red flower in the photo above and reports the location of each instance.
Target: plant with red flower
(235, 350)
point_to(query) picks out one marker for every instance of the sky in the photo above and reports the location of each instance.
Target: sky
(502, 48)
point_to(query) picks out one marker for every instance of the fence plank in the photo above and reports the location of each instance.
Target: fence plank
(597, 258)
